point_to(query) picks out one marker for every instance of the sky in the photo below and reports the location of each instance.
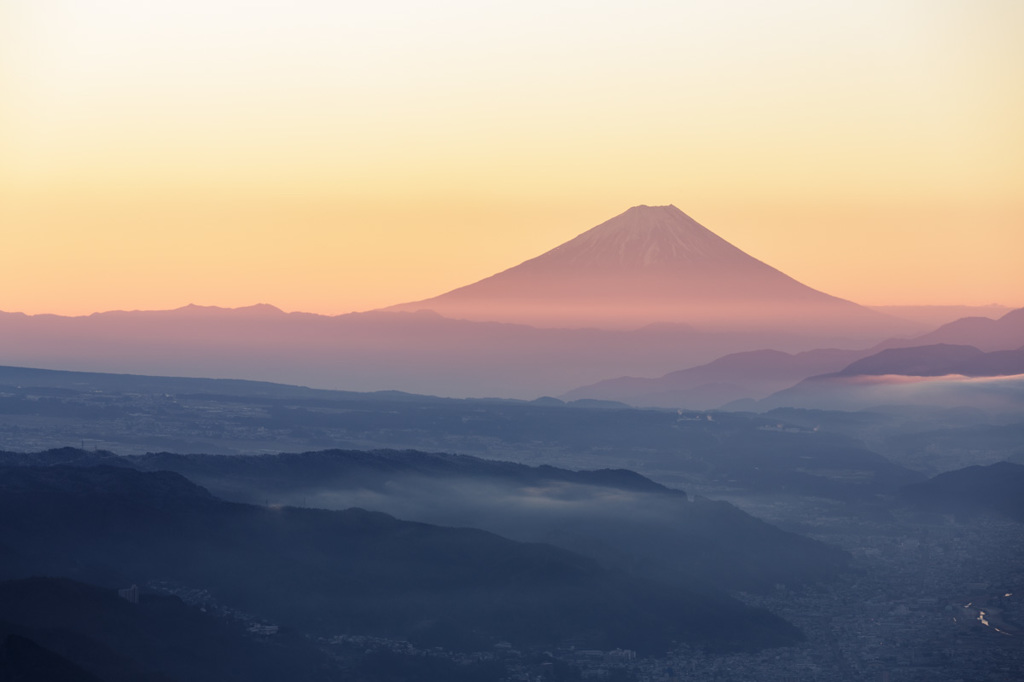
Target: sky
(331, 156)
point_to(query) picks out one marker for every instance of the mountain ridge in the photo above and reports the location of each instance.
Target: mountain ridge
(419, 352)
(933, 375)
(938, 359)
(750, 374)
(328, 572)
(756, 374)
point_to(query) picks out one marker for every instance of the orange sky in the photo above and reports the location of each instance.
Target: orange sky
(331, 156)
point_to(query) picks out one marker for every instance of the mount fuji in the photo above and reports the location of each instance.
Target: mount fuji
(652, 264)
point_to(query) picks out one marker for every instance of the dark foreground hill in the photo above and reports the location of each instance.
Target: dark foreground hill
(615, 516)
(334, 572)
(57, 628)
(292, 473)
(995, 488)
(23, 659)
(618, 517)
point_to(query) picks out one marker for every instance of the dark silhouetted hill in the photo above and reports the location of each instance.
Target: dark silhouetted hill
(976, 489)
(156, 640)
(22, 660)
(353, 571)
(350, 468)
(617, 516)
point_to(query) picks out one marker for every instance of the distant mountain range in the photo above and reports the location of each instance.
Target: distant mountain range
(938, 360)
(937, 315)
(755, 375)
(1003, 333)
(941, 375)
(652, 264)
(416, 352)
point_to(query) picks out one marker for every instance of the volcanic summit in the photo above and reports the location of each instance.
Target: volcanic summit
(651, 264)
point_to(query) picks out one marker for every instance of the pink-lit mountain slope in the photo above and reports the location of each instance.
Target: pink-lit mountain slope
(934, 316)
(1005, 333)
(653, 264)
(752, 374)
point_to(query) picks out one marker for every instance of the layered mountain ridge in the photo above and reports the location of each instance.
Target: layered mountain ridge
(954, 348)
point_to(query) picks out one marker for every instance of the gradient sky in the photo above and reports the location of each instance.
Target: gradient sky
(331, 156)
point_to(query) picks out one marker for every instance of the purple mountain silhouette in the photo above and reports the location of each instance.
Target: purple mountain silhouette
(417, 352)
(1005, 333)
(953, 348)
(752, 374)
(938, 360)
(918, 375)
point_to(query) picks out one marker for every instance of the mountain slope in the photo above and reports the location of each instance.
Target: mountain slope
(754, 374)
(1004, 333)
(157, 639)
(415, 352)
(650, 264)
(616, 516)
(939, 375)
(935, 316)
(938, 360)
(331, 572)
(954, 348)
(997, 488)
